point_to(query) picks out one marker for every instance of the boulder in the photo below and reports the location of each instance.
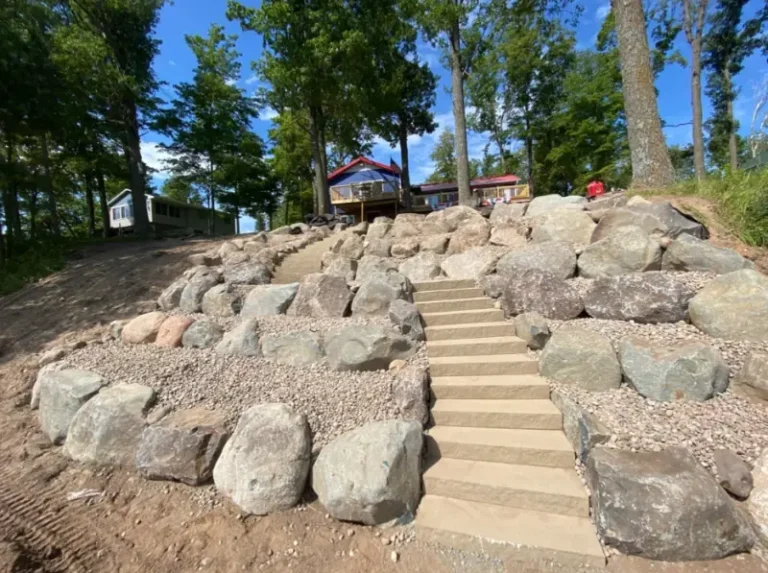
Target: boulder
(675, 222)
(734, 473)
(628, 250)
(263, 467)
(378, 247)
(202, 334)
(172, 330)
(687, 253)
(733, 306)
(143, 329)
(752, 379)
(583, 430)
(370, 266)
(544, 203)
(221, 301)
(437, 244)
(252, 248)
(663, 505)
(405, 247)
(375, 295)
(380, 228)
(199, 284)
(546, 294)
(406, 317)
(532, 327)
(637, 200)
(268, 257)
(554, 257)
(61, 394)
(617, 218)
(473, 264)
(568, 225)
(352, 247)
(236, 258)
(689, 371)
(171, 297)
(251, 273)
(183, 446)
(644, 297)
(581, 357)
(106, 431)
(406, 225)
(269, 300)
(470, 234)
(341, 266)
(506, 214)
(52, 355)
(209, 259)
(243, 340)
(410, 393)
(422, 267)
(294, 349)
(367, 347)
(227, 248)
(493, 285)
(757, 504)
(507, 237)
(606, 202)
(321, 296)
(372, 474)
(450, 219)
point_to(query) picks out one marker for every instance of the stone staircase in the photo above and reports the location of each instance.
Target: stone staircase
(500, 475)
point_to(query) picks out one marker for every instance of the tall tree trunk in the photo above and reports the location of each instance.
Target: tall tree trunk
(48, 185)
(237, 212)
(698, 124)
(405, 174)
(91, 206)
(103, 202)
(11, 198)
(2, 241)
(651, 166)
(32, 211)
(733, 149)
(502, 159)
(317, 138)
(132, 151)
(457, 87)
(211, 201)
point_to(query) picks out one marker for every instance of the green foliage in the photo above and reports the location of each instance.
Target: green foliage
(443, 156)
(180, 188)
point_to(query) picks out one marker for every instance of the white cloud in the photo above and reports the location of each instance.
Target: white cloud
(155, 156)
(252, 80)
(602, 12)
(230, 82)
(268, 114)
(171, 63)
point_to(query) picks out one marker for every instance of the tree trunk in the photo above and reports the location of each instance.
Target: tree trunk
(317, 137)
(2, 241)
(405, 175)
(11, 199)
(211, 201)
(48, 185)
(32, 209)
(502, 159)
(457, 87)
(651, 166)
(132, 151)
(237, 212)
(698, 126)
(91, 206)
(733, 150)
(103, 203)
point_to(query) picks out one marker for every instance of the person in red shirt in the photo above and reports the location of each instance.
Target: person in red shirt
(595, 189)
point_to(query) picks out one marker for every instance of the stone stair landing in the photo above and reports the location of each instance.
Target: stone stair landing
(500, 474)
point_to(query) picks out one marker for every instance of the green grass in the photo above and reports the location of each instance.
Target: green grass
(741, 201)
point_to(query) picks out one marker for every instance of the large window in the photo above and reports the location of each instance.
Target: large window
(115, 213)
(161, 209)
(174, 211)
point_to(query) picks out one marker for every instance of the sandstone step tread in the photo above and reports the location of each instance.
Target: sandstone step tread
(497, 406)
(482, 359)
(459, 342)
(445, 284)
(469, 330)
(502, 380)
(462, 304)
(450, 294)
(463, 521)
(460, 314)
(532, 414)
(493, 387)
(503, 437)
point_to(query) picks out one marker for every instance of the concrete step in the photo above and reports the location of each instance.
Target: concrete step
(477, 303)
(483, 365)
(448, 284)
(473, 330)
(553, 490)
(514, 414)
(476, 346)
(505, 387)
(547, 448)
(451, 294)
(462, 317)
(506, 532)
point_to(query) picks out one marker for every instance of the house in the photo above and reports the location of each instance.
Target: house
(166, 214)
(485, 190)
(365, 189)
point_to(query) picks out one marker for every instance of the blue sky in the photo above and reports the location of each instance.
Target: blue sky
(176, 63)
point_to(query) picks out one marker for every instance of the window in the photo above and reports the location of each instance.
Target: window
(161, 209)
(174, 211)
(123, 211)
(115, 213)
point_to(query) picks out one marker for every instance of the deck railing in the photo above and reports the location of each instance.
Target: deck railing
(364, 192)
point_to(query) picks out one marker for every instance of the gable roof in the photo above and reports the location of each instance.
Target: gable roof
(478, 182)
(162, 199)
(117, 197)
(365, 161)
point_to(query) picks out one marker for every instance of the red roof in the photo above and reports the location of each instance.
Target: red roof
(508, 179)
(365, 161)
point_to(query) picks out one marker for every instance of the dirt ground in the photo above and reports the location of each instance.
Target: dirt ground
(129, 525)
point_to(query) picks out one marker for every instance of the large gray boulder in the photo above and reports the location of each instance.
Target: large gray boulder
(380, 228)
(690, 371)
(183, 446)
(663, 505)
(106, 431)
(375, 295)
(249, 273)
(508, 237)
(532, 327)
(264, 465)
(321, 296)
(752, 379)
(470, 234)
(370, 266)
(221, 301)
(643, 297)
(410, 393)
(554, 257)
(473, 264)
(545, 203)
(199, 283)
(581, 357)
(143, 329)
(448, 220)
(406, 317)
(202, 334)
(243, 340)
(61, 394)
(493, 285)
(378, 247)
(628, 250)
(569, 225)
(372, 474)
(406, 225)
(616, 219)
(734, 474)
(733, 306)
(171, 297)
(353, 247)
(341, 266)
(607, 202)
(422, 267)
(583, 430)
(295, 348)
(757, 504)
(675, 222)
(533, 290)
(405, 247)
(507, 214)
(437, 244)
(367, 347)
(687, 253)
(269, 300)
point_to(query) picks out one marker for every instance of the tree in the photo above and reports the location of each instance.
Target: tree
(208, 115)
(651, 166)
(180, 188)
(682, 161)
(444, 21)
(443, 156)
(727, 44)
